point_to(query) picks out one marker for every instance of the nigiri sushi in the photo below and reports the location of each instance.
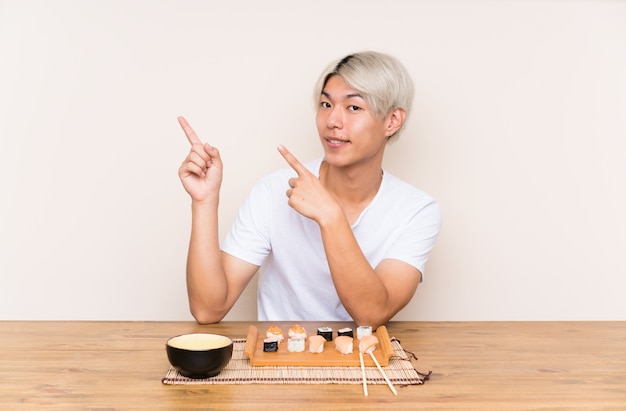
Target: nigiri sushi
(297, 331)
(275, 332)
(368, 343)
(344, 344)
(316, 344)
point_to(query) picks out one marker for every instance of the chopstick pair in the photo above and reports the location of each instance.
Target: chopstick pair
(365, 393)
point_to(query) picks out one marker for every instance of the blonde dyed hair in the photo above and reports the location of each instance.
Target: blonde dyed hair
(381, 79)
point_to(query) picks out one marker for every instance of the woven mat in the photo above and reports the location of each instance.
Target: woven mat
(400, 371)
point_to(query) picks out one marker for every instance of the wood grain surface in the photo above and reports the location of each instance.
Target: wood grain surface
(476, 366)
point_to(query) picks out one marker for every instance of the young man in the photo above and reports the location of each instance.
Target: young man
(334, 239)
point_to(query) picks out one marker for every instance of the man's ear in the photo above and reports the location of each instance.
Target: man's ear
(395, 119)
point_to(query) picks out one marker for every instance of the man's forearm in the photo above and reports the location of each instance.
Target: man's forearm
(206, 280)
(360, 289)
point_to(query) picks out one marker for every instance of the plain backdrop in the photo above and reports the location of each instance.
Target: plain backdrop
(518, 130)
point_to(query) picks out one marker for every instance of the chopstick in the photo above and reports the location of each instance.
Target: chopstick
(383, 373)
(363, 373)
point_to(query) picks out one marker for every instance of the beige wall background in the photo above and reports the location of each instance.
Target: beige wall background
(519, 130)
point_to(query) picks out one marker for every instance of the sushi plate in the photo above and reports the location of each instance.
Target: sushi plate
(330, 357)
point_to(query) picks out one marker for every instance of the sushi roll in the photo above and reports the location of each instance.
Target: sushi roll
(295, 344)
(345, 331)
(325, 332)
(344, 344)
(363, 331)
(316, 344)
(276, 333)
(297, 331)
(270, 345)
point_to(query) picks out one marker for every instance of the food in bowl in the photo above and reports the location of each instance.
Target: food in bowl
(199, 355)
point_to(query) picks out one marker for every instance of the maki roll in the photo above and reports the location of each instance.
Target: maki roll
(270, 345)
(325, 332)
(363, 331)
(295, 344)
(345, 331)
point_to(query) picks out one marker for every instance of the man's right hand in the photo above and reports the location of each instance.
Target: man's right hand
(201, 171)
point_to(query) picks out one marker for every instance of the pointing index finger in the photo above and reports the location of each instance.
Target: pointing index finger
(191, 135)
(292, 160)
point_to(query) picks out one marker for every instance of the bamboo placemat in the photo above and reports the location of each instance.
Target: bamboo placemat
(400, 371)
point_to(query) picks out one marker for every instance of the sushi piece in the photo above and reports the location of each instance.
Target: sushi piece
(295, 344)
(368, 344)
(316, 344)
(275, 332)
(270, 345)
(362, 331)
(325, 332)
(345, 331)
(297, 331)
(344, 344)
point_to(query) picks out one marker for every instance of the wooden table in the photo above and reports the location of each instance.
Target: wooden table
(476, 366)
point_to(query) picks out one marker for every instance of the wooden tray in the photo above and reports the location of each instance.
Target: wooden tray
(330, 357)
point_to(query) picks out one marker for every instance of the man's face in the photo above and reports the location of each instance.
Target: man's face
(349, 131)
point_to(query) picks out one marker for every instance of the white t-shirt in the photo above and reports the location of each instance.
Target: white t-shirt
(401, 222)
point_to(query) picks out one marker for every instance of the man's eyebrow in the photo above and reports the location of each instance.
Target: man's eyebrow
(348, 96)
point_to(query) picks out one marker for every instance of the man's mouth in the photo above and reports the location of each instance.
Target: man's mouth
(335, 141)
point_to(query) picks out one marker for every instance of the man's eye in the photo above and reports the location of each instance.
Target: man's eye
(354, 108)
(325, 104)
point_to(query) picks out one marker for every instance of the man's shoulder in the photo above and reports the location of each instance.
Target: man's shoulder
(397, 188)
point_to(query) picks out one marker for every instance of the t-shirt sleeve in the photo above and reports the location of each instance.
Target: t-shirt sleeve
(418, 237)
